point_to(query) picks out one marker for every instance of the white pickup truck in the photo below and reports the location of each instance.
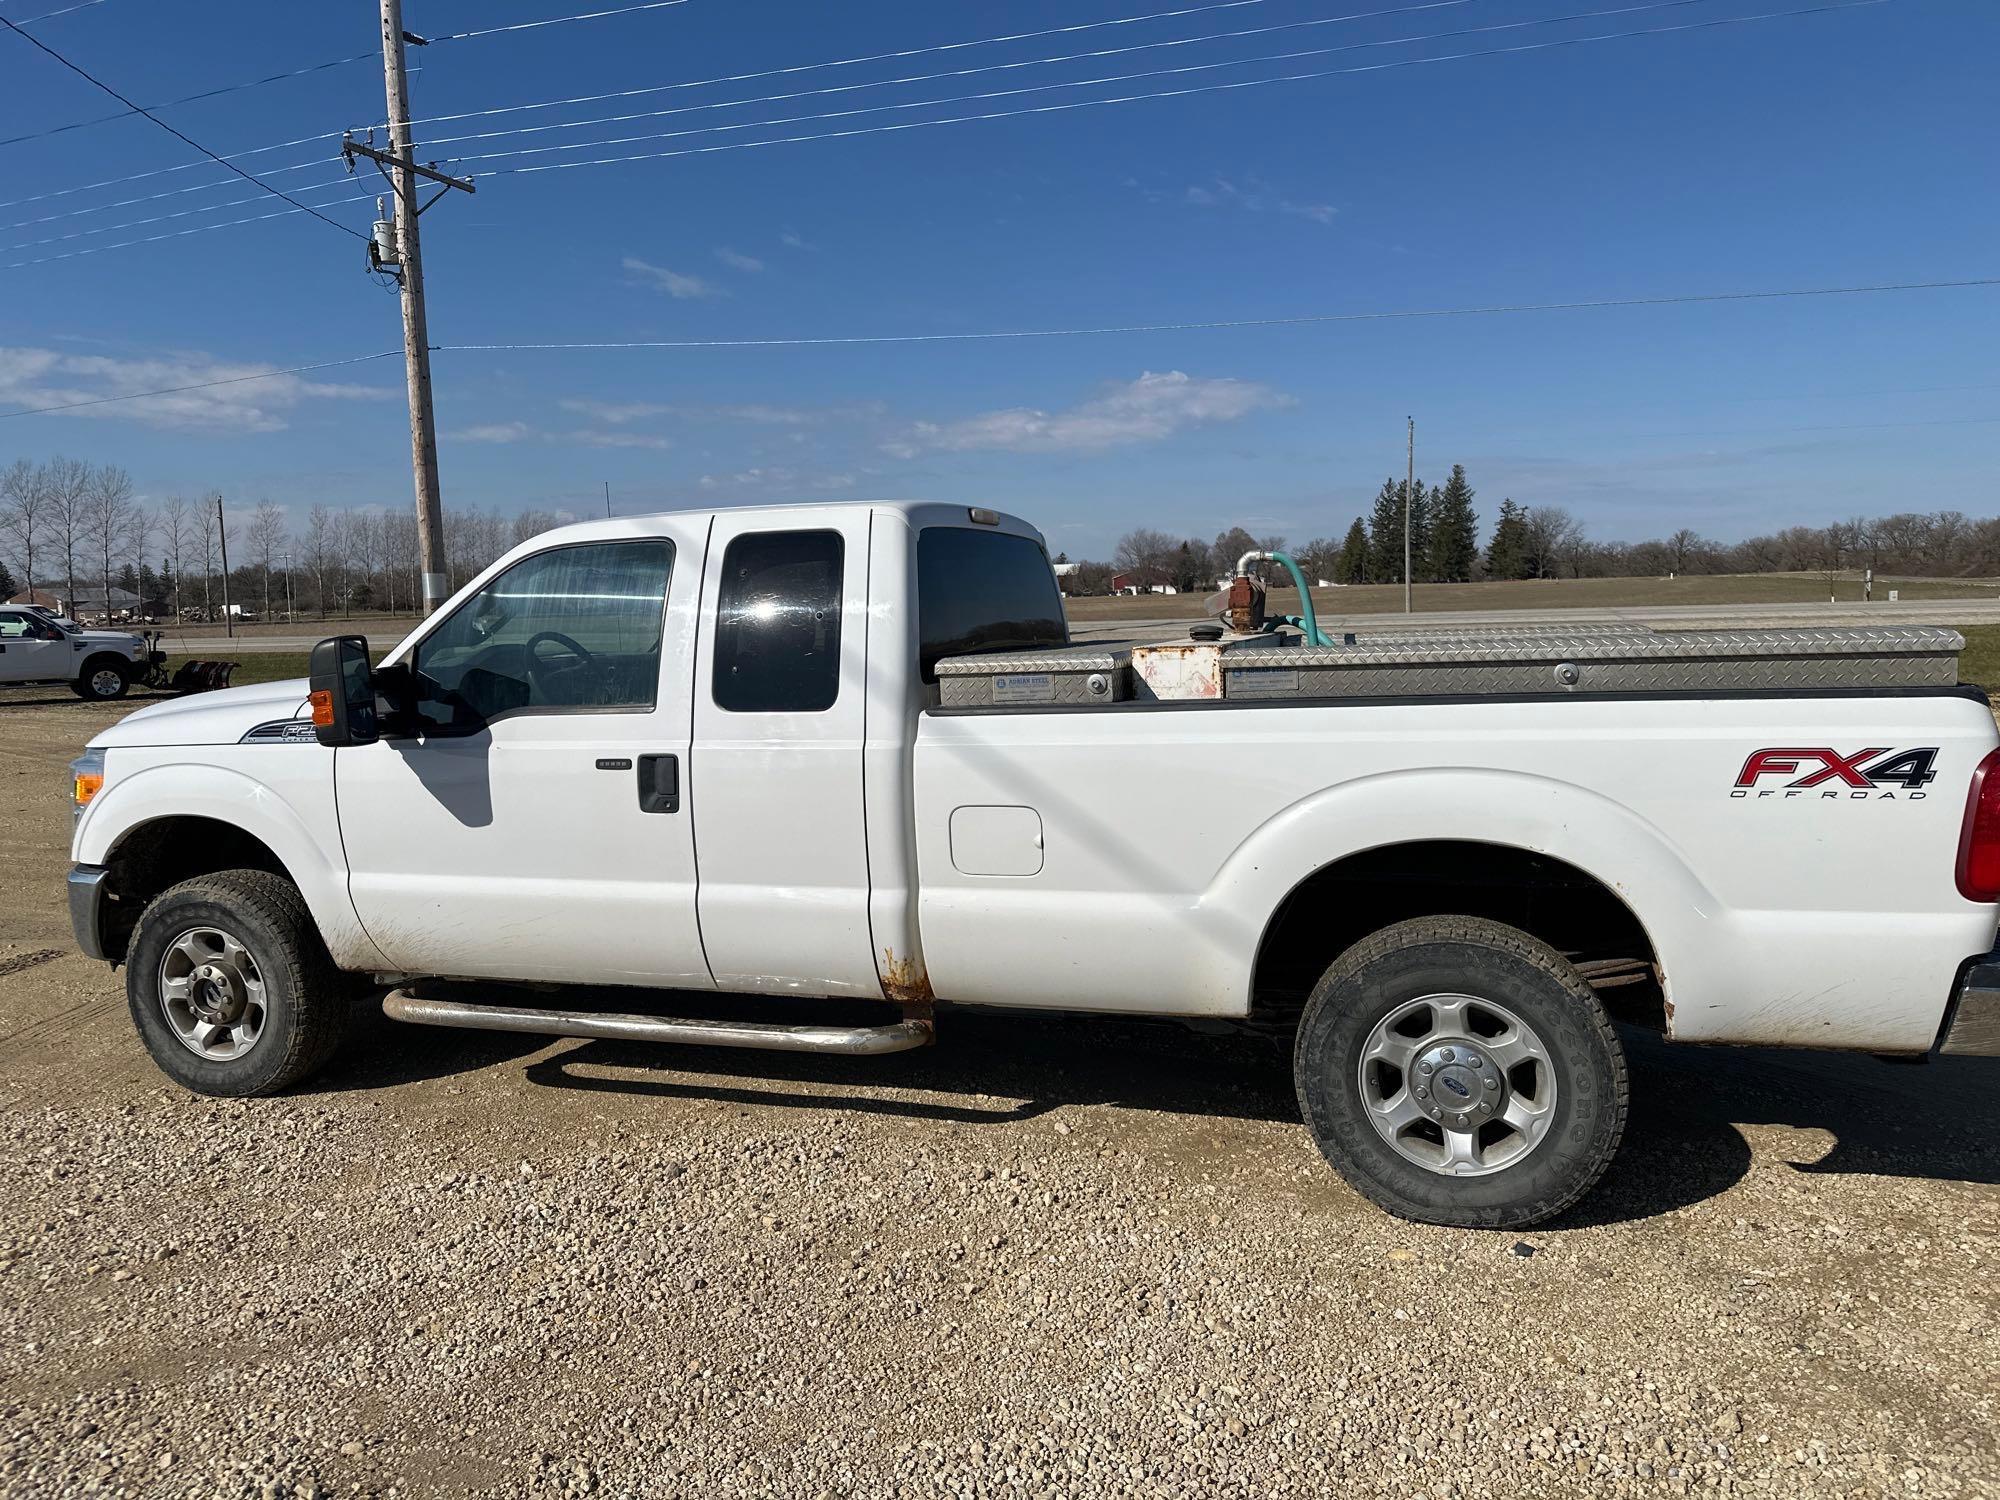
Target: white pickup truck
(37, 646)
(849, 751)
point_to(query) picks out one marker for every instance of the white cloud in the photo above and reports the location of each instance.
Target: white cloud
(1153, 407)
(32, 377)
(736, 260)
(593, 438)
(796, 240)
(675, 284)
(491, 432)
(616, 413)
(1254, 196)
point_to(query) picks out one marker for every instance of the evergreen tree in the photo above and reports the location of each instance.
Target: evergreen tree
(8, 588)
(1352, 566)
(1385, 534)
(1507, 553)
(1423, 504)
(1454, 538)
(128, 579)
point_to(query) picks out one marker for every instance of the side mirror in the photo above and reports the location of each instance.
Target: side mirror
(343, 692)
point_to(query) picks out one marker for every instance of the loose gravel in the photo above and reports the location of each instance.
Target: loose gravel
(1047, 1258)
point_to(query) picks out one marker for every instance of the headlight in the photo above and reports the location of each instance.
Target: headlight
(86, 778)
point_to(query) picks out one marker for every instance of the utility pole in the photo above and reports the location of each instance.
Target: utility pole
(405, 258)
(607, 499)
(1409, 490)
(222, 533)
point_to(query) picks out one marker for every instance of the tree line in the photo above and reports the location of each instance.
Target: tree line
(73, 529)
(1546, 541)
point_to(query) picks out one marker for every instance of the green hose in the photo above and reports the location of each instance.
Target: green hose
(1307, 622)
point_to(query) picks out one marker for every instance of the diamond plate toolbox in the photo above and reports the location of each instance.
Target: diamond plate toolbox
(1584, 661)
(1088, 675)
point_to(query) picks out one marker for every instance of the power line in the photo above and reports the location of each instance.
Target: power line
(203, 208)
(1298, 320)
(196, 187)
(202, 385)
(1042, 88)
(589, 15)
(177, 135)
(280, 213)
(841, 62)
(86, 187)
(1035, 62)
(50, 15)
(1207, 88)
(134, 109)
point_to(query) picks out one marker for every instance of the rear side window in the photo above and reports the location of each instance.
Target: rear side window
(777, 623)
(983, 591)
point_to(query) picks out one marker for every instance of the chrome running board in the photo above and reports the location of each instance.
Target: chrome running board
(852, 1041)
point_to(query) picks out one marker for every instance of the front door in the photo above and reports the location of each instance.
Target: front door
(31, 649)
(780, 715)
(540, 825)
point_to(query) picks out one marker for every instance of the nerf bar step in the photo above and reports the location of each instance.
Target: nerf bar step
(851, 1041)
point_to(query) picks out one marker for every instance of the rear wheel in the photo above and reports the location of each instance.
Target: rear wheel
(231, 988)
(1457, 1071)
(103, 677)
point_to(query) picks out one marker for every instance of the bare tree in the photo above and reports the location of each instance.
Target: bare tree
(109, 517)
(210, 538)
(532, 523)
(266, 537)
(1686, 549)
(320, 554)
(68, 497)
(24, 512)
(1550, 532)
(174, 526)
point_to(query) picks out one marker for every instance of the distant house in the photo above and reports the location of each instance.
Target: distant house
(1142, 581)
(1066, 576)
(94, 603)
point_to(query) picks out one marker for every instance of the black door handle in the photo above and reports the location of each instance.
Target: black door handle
(659, 783)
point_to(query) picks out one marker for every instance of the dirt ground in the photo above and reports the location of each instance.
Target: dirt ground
(1046, 1258)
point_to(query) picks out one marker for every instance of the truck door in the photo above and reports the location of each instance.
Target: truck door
(780, 713)
(32, 649)
(539, 824)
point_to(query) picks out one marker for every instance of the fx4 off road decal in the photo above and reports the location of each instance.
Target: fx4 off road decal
(1874, 772)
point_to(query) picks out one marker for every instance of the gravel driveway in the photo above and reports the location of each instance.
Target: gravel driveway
(1047, 1258)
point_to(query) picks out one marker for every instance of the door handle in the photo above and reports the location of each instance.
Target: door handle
(659, 783)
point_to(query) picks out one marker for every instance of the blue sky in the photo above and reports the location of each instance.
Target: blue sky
(1819, 150)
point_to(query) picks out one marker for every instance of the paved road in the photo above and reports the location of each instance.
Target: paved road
(1675, 616)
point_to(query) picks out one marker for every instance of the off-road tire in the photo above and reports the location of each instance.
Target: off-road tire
(307, 999)
(83, 687)
(1462, 955)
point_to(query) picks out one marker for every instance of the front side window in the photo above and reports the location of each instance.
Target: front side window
(777, 623)
(573, 629)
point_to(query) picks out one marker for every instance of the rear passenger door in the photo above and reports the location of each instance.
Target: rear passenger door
(780, 716)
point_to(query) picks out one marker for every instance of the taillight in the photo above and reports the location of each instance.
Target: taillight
(1979, 836)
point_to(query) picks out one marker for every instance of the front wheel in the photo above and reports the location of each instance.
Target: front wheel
(1457, 1071)
(231, 988)
(103, 677)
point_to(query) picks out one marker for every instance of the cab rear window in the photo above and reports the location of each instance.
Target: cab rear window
(983, 590)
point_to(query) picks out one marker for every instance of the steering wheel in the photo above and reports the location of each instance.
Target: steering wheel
(545, 674)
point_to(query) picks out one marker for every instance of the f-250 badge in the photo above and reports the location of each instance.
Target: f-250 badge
(1830, 773)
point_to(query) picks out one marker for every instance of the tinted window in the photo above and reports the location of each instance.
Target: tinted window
(15, 628)
(777, 623)
(983, 591)
(568, 629)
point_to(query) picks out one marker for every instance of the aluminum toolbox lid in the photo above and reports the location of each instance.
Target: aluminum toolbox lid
(1097, 656)
(1875, 641)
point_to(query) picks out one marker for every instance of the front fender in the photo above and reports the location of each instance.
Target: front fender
(150, 793)
(1630, 856)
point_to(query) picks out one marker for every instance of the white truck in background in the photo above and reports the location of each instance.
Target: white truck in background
(37, 645)
(848, 752)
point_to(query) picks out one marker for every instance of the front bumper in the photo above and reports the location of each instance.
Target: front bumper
(86, 909)
(1972, 1025)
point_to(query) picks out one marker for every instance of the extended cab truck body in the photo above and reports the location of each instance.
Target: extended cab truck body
(708, 751)
(37, 646)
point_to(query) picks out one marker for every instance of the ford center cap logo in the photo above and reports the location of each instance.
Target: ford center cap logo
(1455, 1086)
